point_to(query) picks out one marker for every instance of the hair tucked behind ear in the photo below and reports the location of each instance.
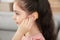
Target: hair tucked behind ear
(45, 20)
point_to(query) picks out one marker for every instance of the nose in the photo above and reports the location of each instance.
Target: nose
(14, 17)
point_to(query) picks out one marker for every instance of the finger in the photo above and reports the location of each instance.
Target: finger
(30, 22)
(22, 23)
(31, 19)
(26, 22)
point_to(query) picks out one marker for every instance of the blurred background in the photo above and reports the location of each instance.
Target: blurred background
(8, 26)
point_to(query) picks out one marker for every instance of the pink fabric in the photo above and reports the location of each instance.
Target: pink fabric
(35, 37)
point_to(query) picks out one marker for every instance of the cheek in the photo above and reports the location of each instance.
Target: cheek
(24, 16)
(21, 18)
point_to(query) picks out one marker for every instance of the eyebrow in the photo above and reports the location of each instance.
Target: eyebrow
(15, 11)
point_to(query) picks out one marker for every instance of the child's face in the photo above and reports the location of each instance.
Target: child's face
(19, 14)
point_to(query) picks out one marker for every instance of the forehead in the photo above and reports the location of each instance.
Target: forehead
(15, 6)
(19, 8)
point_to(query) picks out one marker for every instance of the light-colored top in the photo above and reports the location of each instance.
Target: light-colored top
(34, 37)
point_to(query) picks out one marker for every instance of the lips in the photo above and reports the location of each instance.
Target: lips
(17, 23)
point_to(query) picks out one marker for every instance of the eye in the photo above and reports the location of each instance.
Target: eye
(17, 13)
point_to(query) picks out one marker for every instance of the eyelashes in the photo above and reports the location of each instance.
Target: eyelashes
(17, 13)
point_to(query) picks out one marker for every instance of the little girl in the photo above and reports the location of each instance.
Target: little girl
(34, 20)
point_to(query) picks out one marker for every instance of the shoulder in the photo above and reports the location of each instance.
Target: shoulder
(38, 37)
(34, 37)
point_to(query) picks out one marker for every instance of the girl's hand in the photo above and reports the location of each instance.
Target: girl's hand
(26, 24)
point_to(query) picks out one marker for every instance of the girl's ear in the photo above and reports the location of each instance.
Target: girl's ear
(34, 15)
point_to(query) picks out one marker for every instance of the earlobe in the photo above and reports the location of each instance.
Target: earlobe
(35, 15)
